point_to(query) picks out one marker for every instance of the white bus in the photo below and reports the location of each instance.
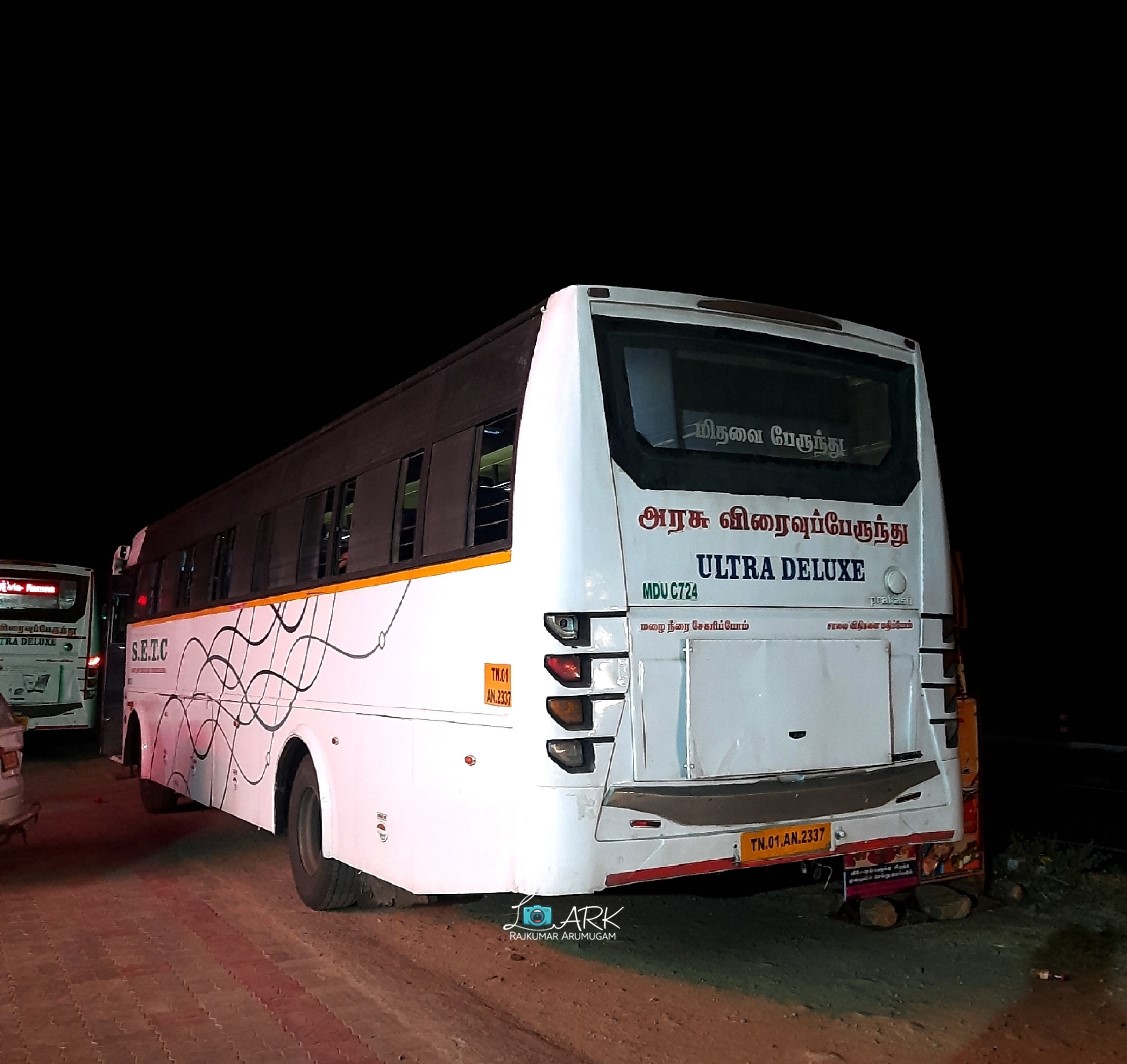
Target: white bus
(639, 585)
(50, 644)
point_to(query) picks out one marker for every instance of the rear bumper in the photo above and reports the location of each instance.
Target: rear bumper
(773, 801)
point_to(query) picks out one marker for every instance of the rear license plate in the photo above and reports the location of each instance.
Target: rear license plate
(796, 840)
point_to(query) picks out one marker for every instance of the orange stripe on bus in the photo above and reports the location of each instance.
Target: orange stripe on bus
(424, 571)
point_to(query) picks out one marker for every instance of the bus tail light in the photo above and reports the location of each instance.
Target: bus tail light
(567, 668)
(572, 755)
(571, 711)
(90, 684)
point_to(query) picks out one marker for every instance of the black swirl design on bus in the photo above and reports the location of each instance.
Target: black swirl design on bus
(304, 645)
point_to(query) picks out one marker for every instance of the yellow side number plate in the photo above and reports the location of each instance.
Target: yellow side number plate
(769, 844)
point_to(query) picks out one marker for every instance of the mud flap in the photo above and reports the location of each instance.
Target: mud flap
(376, 893)
(19, 824)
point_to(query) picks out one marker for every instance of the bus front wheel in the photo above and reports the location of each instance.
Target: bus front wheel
(322, 882)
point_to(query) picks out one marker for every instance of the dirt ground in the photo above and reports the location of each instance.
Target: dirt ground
(742, 974)
(743, 969)
(736, 969)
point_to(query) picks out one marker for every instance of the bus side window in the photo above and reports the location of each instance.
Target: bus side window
(204, 561)
(407, 516)
(186, 569)
(448, 493)
(369, 532)
(164, 599)
(493, 499)
(316, 532)
(222, 556)
(154, 588)
(241, 558)
(285, 544)
(342, 531)
(144, 603)
(325, 531)
(263, 538)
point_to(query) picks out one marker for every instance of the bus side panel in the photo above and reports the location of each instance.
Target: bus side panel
(418, 803)
(936, 586)
(202, 689)
(362, 677)
(368, 772)
(469, 836)
(566, 540)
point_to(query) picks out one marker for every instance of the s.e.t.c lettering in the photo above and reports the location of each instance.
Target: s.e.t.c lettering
(149, 650)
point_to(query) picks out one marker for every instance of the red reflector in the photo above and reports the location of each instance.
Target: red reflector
(645, 823)
(565, 667)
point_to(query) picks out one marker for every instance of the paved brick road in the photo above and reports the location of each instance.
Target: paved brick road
(107, 954)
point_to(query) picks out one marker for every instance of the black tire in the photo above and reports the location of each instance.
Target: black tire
(322, 882)
(157, 798)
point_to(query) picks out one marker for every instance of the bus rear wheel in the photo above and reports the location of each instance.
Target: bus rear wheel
(322, 882)
(157, 798)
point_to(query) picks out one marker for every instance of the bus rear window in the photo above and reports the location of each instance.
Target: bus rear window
(717, 399)
(779, 416)
(28, 596)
